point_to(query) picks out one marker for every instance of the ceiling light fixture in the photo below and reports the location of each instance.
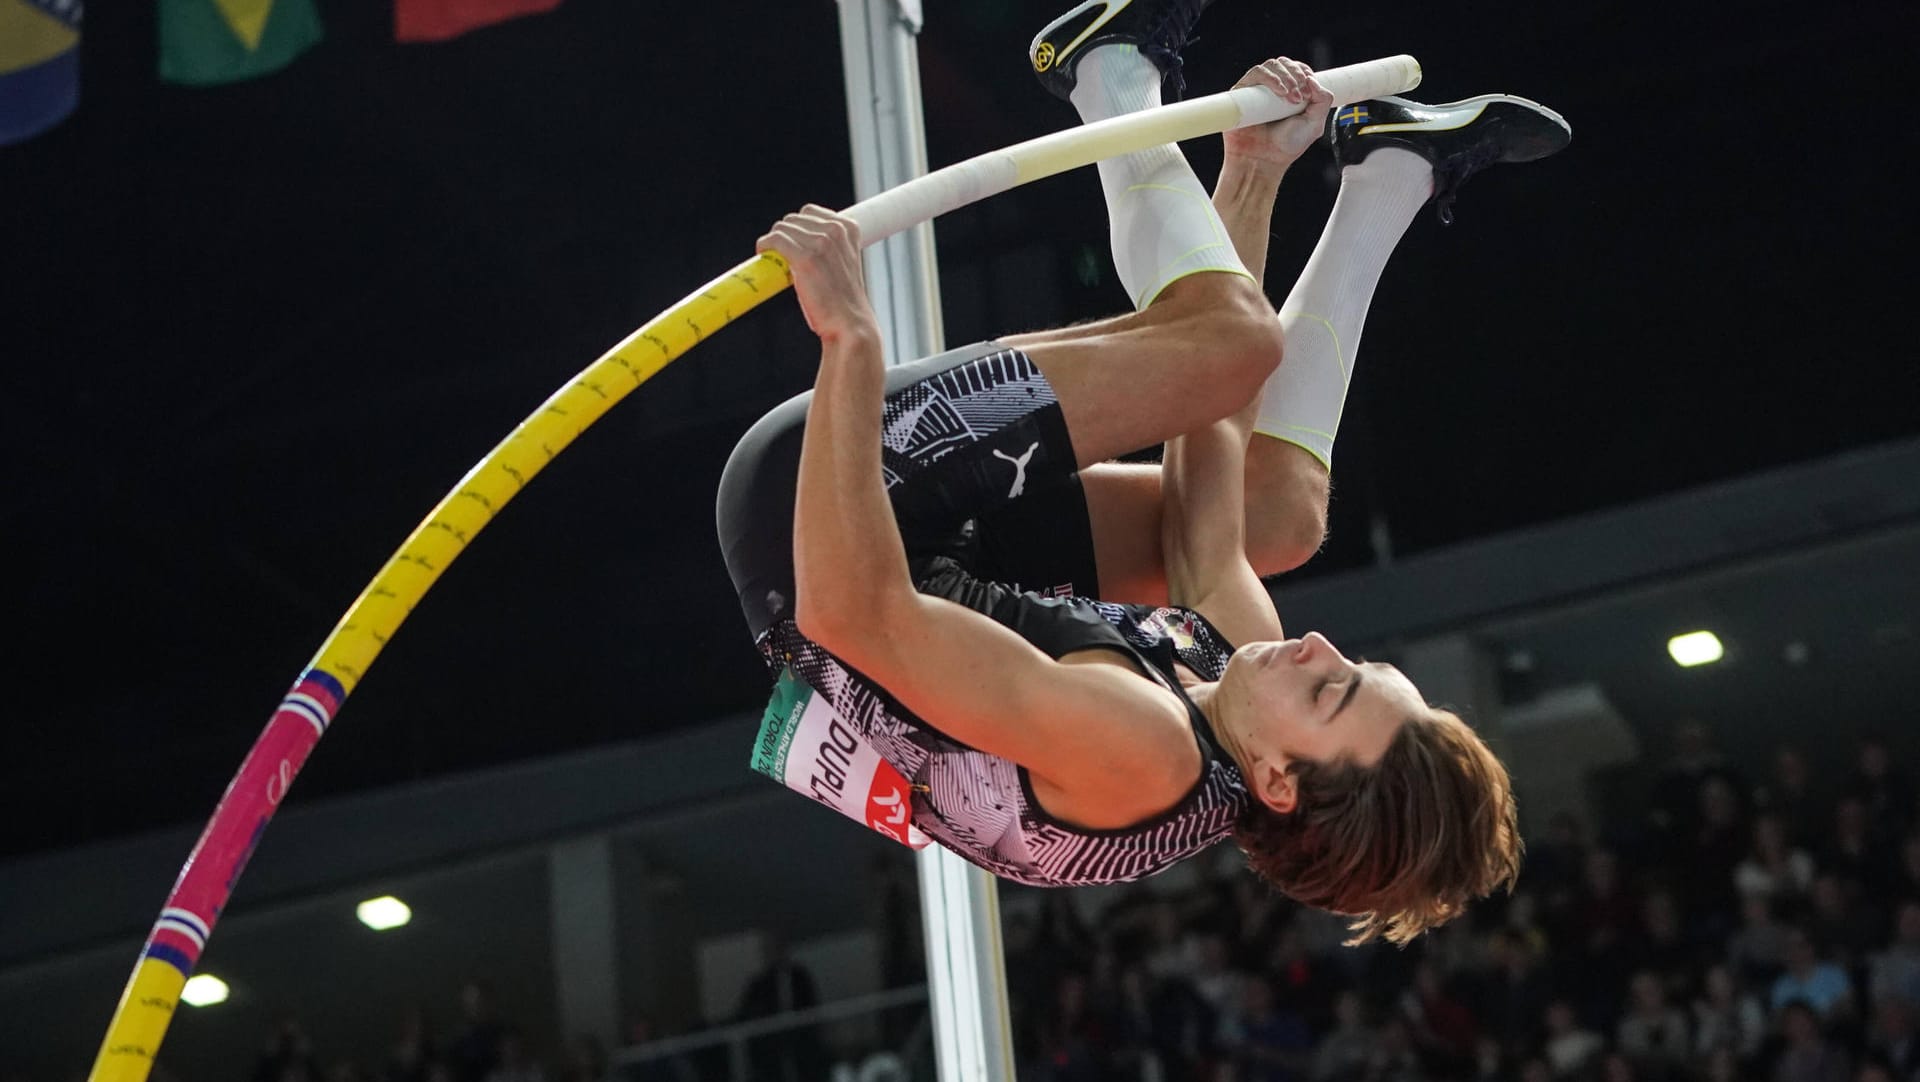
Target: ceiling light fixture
(383, 912)
(203, 990)
(1696, 648)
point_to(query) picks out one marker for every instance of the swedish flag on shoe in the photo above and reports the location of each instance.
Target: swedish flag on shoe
(1458, 139)
(1158, 28)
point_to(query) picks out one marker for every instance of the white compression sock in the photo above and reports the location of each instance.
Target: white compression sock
(1323, 315)
(1163, 223)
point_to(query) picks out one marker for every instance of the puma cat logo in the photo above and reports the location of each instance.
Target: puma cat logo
(1019, 468)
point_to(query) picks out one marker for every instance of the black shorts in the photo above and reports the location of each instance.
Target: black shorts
(978, 467)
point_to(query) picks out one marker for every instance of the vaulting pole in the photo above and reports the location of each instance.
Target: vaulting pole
(205, 882)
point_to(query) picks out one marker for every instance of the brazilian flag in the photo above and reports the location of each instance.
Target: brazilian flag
(205, 42)
(39, 65)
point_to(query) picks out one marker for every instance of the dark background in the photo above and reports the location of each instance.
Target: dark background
(250, 334)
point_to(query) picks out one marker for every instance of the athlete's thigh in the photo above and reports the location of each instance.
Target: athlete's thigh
(1194, 356)
(1123, 515)
(1286, 509)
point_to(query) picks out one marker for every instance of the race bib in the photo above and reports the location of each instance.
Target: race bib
(805, 746)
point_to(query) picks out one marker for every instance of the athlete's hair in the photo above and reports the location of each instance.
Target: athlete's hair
(1400, 846)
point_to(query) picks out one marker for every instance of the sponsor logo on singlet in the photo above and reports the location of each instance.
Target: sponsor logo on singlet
(806, 746)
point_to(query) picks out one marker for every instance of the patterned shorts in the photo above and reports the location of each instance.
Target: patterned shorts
(978, 466)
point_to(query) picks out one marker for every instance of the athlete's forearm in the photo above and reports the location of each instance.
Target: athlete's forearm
(1244, 197)
(846, 546)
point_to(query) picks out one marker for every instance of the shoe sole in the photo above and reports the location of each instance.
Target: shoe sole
(1481, 100)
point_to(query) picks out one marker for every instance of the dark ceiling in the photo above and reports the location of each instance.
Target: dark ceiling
(250, 334)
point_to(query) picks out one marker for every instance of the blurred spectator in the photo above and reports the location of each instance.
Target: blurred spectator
(1807, 1056)
(1301, 983)
(1395, 1060)
(1184, 1029)
(1607, 911)
(1820, 985)
(1172, 954)
(1654, 1033)
(1536, 1070)
(1896, 970)
(1555, 867)
(1716, 846)
(1570, 1046)
(1721, 1065)
(1522, 919)
(1774, 868)
(1259, 912)
(1489, 1061)
(288, 1056)
(515, 1064)
(1843, 930)
(412, 1053)
(1677, 788)
(1438, 1022)
(1269, 1044)
(1618, 1068)
(1853, 852)
(1758, 950)
(795, 1055)
(1892, 1040)
(1071, 1041)
(1062, 933)
(1789, 796)
(1727, 1017)
(1344, 1053)
(1216, 981)
(1904, 881)
(1511, 994)
(475, 1052)
(1662, 948)
(1884, 788)
(1132, 1022)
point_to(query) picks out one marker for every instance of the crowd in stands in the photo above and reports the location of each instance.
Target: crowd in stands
(1728, 928)
(1737, 928)
(482, 1047)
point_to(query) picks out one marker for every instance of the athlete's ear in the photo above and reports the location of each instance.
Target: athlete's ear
(1274, 786)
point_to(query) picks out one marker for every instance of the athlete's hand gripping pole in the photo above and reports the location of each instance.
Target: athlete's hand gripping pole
(180, 934)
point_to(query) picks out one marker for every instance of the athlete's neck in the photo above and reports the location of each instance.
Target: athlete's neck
(1211, 707)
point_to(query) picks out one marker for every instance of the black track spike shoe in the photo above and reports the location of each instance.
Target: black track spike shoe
(1459, 138)
(1158, 27)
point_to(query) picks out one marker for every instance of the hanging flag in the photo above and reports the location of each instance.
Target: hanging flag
(438, 20)
(39, 65)
(203, 42)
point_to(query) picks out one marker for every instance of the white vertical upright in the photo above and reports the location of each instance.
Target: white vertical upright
(585, 941)
(960, 910)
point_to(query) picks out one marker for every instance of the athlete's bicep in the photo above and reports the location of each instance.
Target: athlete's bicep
(978, 682)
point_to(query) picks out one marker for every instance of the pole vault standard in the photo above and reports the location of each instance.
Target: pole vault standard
(205, 882)
(959, 905)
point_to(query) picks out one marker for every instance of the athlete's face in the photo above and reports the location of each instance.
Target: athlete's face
(1300, 699)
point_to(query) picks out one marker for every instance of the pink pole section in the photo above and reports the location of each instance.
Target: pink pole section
(221, 854)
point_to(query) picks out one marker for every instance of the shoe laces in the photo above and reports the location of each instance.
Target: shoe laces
(1447, 181)
(1168, 35)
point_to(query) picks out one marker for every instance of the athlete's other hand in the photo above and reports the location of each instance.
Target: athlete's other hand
(822, 249)
(1278, 144)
